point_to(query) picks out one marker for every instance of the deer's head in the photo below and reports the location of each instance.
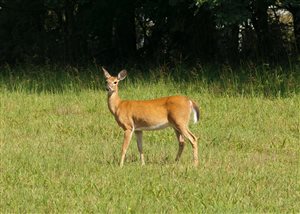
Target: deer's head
(112, 82)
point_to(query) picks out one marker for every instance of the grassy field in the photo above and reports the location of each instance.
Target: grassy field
(60, 146)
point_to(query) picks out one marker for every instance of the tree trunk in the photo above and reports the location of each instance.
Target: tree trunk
(233, 46)
(69, 9)
(124, 28)
(261, 26)
(296, 19)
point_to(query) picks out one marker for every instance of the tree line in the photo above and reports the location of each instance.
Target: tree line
(78, 31)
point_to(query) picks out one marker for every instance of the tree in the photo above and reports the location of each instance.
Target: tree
(76, 31)
(124, 28)
(21, 30)
(228, 17)
(294, 7)
(259, 19)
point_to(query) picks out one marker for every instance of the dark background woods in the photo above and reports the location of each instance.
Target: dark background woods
(79, 31)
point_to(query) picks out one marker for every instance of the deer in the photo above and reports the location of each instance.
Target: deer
(136, 116)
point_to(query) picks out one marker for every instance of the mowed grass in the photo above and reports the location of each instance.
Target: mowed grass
(60, 147)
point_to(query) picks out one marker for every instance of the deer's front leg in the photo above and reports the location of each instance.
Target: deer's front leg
(127, 138)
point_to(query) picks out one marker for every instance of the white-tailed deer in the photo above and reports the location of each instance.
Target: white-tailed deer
(137, 116)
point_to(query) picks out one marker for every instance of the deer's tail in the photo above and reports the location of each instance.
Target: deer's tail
(196, 111)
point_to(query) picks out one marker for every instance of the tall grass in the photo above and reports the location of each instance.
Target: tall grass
(60, 146)
(249, 80)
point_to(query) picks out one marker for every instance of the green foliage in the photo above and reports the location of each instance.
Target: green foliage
(77, 32)
(228, 12)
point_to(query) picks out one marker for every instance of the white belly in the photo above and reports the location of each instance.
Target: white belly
(155, 127)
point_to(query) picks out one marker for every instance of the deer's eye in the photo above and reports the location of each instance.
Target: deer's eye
(115, 82)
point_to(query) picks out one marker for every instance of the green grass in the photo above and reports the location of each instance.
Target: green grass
(60, 146)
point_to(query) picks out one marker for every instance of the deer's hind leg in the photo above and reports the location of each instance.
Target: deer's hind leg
(181, 144)
(183, 130)
(179, 120)
(139, 139)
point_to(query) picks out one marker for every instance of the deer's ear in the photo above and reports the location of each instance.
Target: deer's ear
(106, 74)
(122, 75)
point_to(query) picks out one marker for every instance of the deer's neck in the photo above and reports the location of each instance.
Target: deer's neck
(113, 101)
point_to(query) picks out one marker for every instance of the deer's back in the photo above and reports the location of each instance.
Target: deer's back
(153, 114)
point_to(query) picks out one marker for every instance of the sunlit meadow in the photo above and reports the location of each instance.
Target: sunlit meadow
(60, 146)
